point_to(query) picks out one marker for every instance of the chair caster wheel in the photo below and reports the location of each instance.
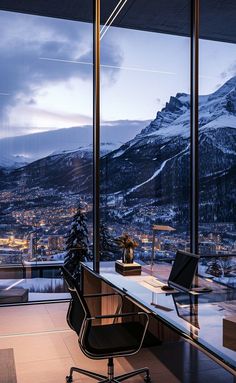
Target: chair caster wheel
(69, 379)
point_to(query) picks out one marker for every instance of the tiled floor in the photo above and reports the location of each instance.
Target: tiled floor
(45, 348)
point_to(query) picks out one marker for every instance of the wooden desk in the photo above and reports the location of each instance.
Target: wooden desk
(200, 322)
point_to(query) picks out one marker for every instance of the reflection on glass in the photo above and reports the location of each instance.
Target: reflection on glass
(186, 306)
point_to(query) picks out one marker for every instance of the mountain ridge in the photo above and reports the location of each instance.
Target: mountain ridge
(154, 166)
(22, 150)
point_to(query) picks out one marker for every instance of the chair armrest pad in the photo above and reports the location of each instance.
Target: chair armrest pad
(103, 295)
(123, 315)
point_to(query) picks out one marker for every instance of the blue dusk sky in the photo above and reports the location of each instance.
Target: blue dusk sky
(46, 73)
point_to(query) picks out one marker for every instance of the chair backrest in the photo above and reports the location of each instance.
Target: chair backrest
(78, 309)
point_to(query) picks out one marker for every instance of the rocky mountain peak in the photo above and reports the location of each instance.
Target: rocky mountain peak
(173, 109)
(176, 111)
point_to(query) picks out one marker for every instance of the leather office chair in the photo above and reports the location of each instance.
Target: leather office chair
(106, 341)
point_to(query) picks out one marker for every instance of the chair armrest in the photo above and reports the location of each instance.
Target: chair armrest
(122, 315)
(103, 295)
(120, 304)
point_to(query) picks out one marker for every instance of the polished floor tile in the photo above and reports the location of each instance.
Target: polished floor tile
(37, 347)
(33, 318)
(45, 349)
(24, 319)
(43, 371)
(57, 314)
(217, 375)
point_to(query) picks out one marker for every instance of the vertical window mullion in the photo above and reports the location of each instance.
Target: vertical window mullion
(194, 157)
(96, 135)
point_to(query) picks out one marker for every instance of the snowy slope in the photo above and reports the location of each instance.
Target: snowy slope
(155, 164)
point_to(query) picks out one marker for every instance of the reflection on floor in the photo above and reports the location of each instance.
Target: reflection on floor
(32, 289)
(45, 348)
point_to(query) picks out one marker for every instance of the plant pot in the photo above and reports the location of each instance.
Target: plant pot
(128, 255)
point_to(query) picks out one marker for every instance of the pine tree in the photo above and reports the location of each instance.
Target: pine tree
(214, 268)
(77, 242)
(109, 250)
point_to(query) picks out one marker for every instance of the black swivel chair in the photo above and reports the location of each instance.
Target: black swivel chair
(106, 341)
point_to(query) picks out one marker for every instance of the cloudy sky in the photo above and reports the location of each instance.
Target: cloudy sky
(46, 73)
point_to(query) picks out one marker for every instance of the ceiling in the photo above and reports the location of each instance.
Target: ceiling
(173, 17)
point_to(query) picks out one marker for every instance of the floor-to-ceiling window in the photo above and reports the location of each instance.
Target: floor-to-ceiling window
(46, 137)
(145, 134)
(46, 148)
(217, 145)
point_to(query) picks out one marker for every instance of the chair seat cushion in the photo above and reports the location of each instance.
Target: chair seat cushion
(114, 338)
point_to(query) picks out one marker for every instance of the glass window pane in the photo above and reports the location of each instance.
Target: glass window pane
(46, 147)
(217, 142)
(145, 129)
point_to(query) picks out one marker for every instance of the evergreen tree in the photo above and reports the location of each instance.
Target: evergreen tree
(77, 242)
(214, 268)
(109, 250)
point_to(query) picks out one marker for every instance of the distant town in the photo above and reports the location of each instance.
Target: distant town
(36, 221)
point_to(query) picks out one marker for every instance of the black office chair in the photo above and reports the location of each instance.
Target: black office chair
(106, 341)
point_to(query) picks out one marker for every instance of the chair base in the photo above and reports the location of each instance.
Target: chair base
(110, 378)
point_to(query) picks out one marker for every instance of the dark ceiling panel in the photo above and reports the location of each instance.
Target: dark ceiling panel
(158, 16)
(65, 9)
(217, 16)
(218, 20)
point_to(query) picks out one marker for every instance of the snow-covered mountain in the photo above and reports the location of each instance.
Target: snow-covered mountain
(87, 150)
(18, 151)
(154, 166)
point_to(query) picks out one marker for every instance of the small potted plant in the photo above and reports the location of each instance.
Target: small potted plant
(127, 244)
